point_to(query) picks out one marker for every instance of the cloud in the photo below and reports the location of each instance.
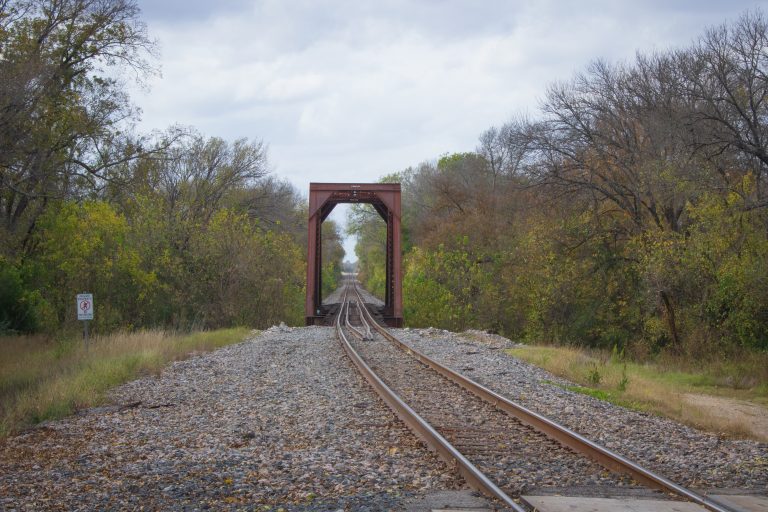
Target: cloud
(349, 90)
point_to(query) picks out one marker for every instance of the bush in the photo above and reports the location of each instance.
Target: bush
(21, 310)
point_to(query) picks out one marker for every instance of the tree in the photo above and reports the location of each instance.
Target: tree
(728, 74)
(157, 227)
(243, 275)
(364, 223)
(276, 203)
(86, 247)
(332, 256)
(631, 211)
(63, 107)
(198, 173)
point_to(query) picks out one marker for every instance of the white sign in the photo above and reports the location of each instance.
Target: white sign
(85, 306)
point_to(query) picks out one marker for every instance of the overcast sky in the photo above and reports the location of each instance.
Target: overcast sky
(347, 91)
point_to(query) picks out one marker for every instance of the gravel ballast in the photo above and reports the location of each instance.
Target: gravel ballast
(513, 455)
(685, 455)
(283, 421)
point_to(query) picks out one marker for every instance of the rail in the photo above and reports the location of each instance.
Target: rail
(603, 456)
(473, 476)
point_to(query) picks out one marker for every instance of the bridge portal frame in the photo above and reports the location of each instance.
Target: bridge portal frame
(385, 199)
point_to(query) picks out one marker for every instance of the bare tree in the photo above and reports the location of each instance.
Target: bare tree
(508, 150)
(728, 73)
(618, 133)
(198, 174)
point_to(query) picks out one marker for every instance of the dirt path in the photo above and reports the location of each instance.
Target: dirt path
(751, 416)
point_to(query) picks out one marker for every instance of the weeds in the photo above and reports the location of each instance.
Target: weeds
(659, 387)
(622, 385)
(593, 375)
(43, 379)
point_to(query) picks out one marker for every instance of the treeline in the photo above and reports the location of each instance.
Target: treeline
(630, 211)
(170, 229)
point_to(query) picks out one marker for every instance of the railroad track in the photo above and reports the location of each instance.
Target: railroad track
(500, 448)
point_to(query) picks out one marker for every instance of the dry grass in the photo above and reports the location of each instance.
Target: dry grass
(660, 388)
(43, 379)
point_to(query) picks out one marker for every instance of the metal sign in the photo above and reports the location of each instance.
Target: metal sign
(85, 306)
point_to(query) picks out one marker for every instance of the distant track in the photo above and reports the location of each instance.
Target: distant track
(494, 443)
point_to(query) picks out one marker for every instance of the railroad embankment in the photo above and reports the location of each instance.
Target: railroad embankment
(282, 420)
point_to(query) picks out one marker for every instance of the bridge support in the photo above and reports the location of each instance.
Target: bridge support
(385, 198)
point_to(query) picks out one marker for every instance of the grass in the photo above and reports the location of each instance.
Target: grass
(43, 379)
(660, 387)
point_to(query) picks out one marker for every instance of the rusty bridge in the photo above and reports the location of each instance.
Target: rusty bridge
(385, 199)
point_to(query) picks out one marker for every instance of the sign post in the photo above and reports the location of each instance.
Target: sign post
(85, 312)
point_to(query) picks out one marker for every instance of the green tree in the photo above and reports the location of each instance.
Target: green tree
(21, 310)
(245, 275)
(63, 108)
(85, 248)
(332, 257)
